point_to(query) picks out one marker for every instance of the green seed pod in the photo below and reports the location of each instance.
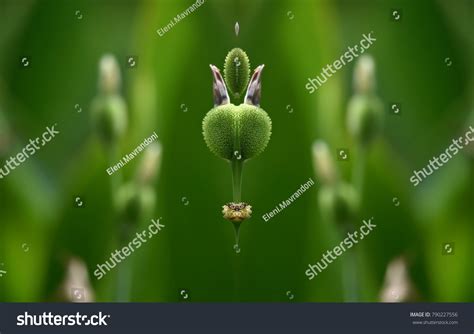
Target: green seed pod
(135, 203)
(237, 72)
(237, 132)
(339, 203)
(364, 117)
(109, 117)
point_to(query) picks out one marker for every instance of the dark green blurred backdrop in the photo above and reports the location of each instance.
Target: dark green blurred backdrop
(294, 39)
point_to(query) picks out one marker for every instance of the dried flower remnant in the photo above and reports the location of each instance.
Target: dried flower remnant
(236, 212)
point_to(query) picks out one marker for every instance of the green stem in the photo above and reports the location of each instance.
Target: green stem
(124, 281)
(237, 180)
(115, 178)
(349, 275)
(237, 232)
(236, 190)
(124, 269)
(359, 169)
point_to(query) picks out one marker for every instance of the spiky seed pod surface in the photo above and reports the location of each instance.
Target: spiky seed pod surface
(237, 72)
(245, 129)
(364, 117)
(339, 203)
(109, 117)
(135, 203)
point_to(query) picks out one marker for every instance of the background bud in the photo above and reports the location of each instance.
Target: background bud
(339, 203)
(231, 131)
(109, 75)
(150, 164)
(135, 203)
(237, 72)
(109, 117)
(76, 285)
(323, 162)
(364, 117)
(364, 75)
(397, 284)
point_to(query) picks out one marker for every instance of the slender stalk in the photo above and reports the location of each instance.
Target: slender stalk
(115, 178)
(237, 166)
(358, 171)
(349, 276)
(124, 269)
(236, 190)
(236, 179)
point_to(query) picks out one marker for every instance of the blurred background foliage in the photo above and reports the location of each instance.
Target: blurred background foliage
(41, 228)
